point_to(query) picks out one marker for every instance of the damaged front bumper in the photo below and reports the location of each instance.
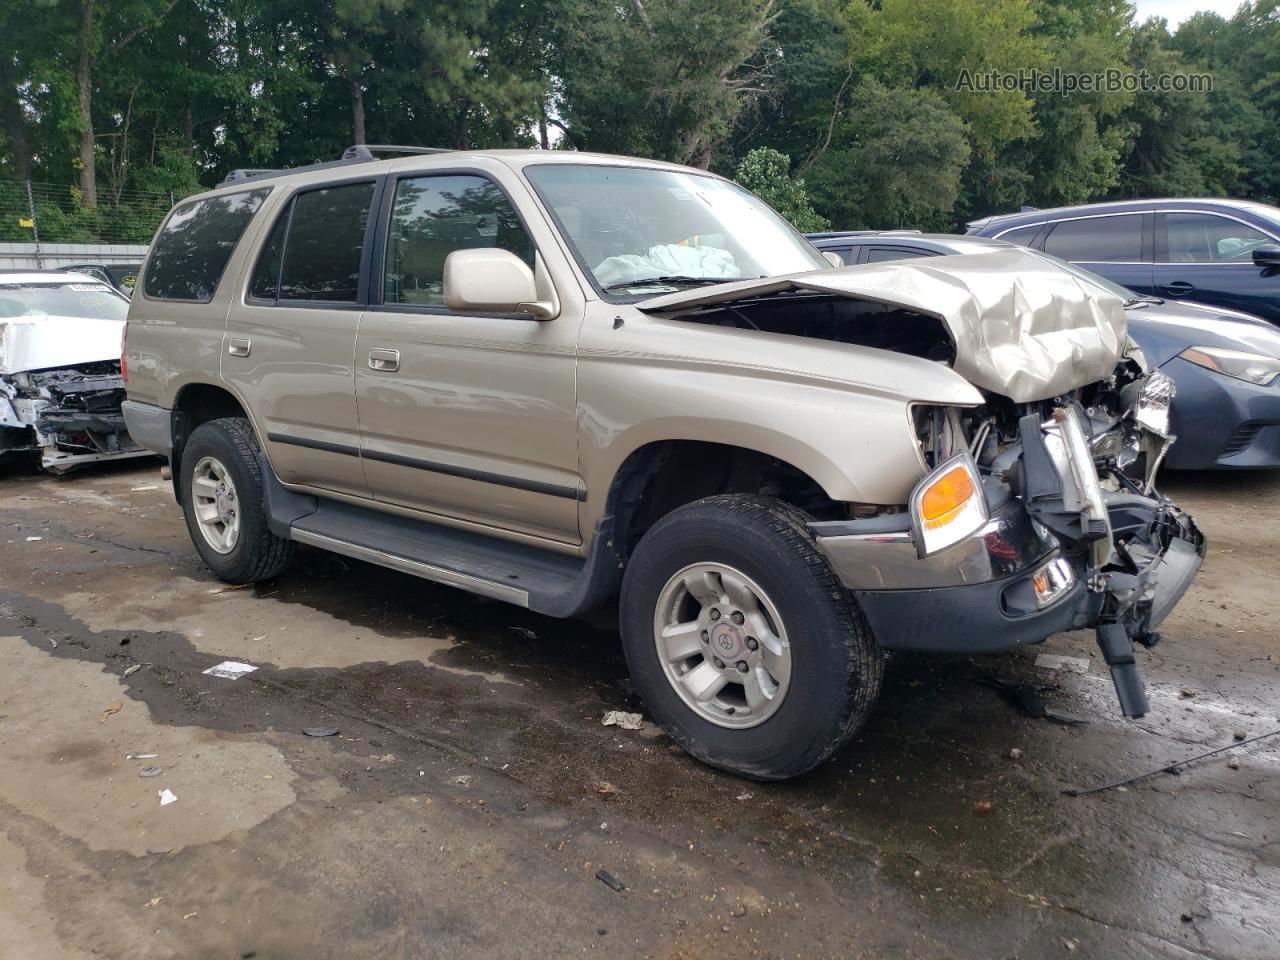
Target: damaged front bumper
(70, 417)
(1041, 564)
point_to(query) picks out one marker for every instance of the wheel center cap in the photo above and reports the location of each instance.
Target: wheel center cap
(725, 641)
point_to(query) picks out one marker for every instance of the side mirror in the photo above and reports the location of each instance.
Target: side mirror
(1267, 255)
(832, 258)
(491, 280)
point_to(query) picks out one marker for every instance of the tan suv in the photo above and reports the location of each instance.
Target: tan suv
(558, 379)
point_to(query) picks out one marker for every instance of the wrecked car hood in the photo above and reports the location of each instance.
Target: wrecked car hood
(45, 342)
(1022, 327)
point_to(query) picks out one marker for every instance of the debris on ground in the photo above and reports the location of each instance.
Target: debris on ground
(110, 712)
(1186, 693)
(320, 731)
(131, 671)
(983, 806)
(1026, 697)
(610, 881)
(1174, 768)
(159, 851)
(524, 632)
(620, 718)
(34, 539)
(463, 781)
(141, 756)
(743, 796)
(167, 797)
(605, 789)
(150, 771)
(1015, 754)
(232, 588)
(229, 669)
(1053, 661)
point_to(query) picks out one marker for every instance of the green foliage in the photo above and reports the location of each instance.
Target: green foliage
(840, 111)
(767, 173)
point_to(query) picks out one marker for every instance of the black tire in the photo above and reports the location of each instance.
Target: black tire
(836, 663)
(258, 553)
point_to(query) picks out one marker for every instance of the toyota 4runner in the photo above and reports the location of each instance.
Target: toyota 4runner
(558, 379)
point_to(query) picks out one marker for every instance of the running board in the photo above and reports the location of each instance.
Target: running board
(542, 580)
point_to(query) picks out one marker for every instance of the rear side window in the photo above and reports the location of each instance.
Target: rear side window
(190, 253)
(882, 254)
(314, 248)
(1097, 240)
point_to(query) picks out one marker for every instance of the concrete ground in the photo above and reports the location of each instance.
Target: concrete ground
(472, 794)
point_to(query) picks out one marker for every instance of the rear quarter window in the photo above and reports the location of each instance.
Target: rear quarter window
(190, 253)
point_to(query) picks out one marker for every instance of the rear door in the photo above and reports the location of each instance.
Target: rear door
(1116, 246)
(1208, 258)
(291, 337)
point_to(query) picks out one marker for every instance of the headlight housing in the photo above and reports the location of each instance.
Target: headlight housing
(948, 505)
(1250, 367)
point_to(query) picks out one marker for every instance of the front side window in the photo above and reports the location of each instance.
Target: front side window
(643, 231)
(1204, 238)
(1098, 239)
(319, 249)
(91, 301)
(433, 216)
(190, 253)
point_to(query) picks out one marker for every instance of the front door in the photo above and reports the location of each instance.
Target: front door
(1209, 259)
(290, 339)
(465, 416)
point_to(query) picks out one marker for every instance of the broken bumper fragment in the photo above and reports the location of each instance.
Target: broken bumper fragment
(1056, 553)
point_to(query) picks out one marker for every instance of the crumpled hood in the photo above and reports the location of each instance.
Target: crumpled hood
(50, 342)
(1023, 327)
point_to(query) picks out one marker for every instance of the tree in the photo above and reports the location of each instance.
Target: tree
(767, 173)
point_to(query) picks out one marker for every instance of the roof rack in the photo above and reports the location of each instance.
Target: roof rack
(356, 153)
(365, 151)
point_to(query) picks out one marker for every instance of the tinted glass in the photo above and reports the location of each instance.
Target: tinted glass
(434, 216)
(1022, 235)
(881, 254)
(1097, 239)
(1204, 238)
(85, 300)
(326, 237)
(190, 253)
(266, 275)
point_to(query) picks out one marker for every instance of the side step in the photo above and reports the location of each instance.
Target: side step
(544, 581)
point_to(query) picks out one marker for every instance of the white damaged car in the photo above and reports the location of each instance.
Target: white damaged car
(60, 378)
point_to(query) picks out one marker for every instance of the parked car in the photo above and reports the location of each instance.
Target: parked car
(582, 377)
(60, 382)
(1225, 364)
(1225, 253)
(121, 276)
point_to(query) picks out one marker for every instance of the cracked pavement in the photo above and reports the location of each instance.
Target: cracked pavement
(472, 794)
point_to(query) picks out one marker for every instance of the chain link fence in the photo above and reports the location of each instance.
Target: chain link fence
(52, 213)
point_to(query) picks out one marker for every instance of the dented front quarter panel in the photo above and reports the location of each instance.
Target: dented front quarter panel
(838, 412)
(1022, 327)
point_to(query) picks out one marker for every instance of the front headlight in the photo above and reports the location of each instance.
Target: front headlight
(1251, 367)
(948, 505)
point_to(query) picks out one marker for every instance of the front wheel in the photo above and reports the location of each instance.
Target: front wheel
(222, 497)
(741, 640)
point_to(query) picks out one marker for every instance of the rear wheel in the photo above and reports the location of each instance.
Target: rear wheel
(222, 497)
(741, 640)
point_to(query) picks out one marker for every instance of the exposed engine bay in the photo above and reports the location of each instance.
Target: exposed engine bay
(69, 416)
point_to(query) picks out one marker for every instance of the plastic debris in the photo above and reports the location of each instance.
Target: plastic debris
(524, 632)
(606, 790)
(34, 539)
(230, 669)
(110, 712)
(1015, 754)
(131, 671)
(610, 881)
(1053, 661)
(463, 781)
(320, 731)
(141, 756)
(1027, 698)
(167, 797)
(150, 771)
(620, 718)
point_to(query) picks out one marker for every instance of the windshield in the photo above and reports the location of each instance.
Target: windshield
(642, 231)
(87, 300)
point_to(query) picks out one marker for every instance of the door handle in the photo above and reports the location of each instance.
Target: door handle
(1179, 287)
(386, 360)
(239, 346)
